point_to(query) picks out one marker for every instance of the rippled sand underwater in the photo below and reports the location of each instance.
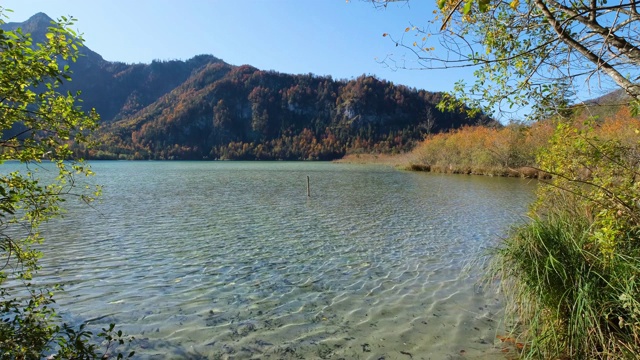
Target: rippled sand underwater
(233, 261)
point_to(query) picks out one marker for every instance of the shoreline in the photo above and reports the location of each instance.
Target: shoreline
(408, 161)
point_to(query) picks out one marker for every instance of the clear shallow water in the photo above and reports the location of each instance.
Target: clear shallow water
(232, 260)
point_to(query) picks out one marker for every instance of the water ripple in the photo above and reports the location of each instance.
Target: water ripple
(232, 260)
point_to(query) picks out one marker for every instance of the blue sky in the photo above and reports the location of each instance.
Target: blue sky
(324, 37)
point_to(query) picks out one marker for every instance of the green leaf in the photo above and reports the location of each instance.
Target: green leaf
(635, 108)
(483, 5)
(467, 7)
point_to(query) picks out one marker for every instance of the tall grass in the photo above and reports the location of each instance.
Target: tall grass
(569, 305)
(571, 277)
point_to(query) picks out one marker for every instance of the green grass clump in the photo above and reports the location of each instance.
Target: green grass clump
(568, 302)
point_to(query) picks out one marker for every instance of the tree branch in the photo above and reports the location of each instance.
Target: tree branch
(631, 88)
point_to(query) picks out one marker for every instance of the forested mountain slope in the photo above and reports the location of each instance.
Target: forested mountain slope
(204, 108)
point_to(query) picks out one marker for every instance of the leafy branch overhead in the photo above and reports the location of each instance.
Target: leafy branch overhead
(39, 124)
(533, 53)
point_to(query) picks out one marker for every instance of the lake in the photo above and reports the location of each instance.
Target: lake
(233, 260)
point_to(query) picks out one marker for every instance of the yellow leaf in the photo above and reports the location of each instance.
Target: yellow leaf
(415, 44)
(514, 4)
(407, 29)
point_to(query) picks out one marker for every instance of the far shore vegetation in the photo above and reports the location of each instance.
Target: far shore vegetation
(509, 150)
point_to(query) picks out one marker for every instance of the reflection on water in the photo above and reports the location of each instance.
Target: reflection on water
(232, 260)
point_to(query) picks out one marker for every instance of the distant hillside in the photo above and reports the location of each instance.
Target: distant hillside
(204, 108)
(611, 105)
(116, 90)
(616, 97)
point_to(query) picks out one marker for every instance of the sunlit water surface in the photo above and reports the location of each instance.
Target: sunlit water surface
(233, 260)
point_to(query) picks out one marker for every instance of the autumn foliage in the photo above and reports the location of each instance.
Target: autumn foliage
(241, 113)
(510, 150)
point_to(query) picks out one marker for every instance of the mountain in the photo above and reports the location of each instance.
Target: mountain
(204, 108)
(115, 89)
(615, 97)
(615, 104)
